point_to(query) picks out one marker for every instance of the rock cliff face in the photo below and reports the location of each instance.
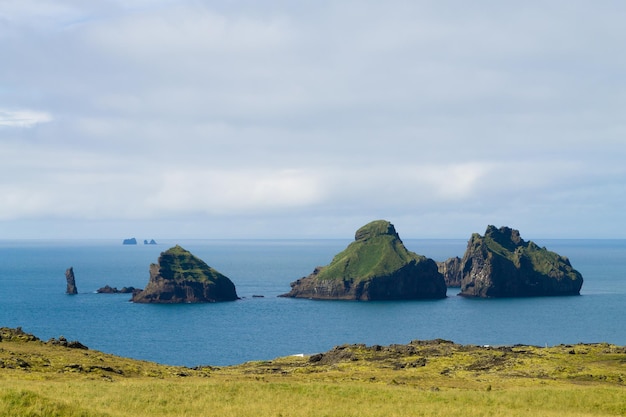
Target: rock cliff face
(502, 264)
(180, 277)
(451, 271)
(71, 281)
(376, 266)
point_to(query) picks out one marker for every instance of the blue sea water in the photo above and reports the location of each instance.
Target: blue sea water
(32, 296)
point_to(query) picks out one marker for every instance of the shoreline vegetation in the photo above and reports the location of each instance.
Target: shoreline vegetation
(422, 378)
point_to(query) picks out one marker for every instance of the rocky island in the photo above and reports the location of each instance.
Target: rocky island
(71, 281)
(502, 264)
(107, 289)
(180, 277)
(376, 266)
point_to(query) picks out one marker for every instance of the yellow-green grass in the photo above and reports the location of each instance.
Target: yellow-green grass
(434, 378)
(241, 397)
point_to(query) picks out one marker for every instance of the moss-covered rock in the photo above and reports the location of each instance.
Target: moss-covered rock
(376, 266)
(502, 264)
(180, 277)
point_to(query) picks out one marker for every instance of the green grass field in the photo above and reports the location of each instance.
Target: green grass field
(435, 378)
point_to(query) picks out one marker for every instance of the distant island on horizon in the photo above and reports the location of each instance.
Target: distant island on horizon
(133, 241)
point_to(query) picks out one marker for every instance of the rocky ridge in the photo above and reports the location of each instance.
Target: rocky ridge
(421, 363)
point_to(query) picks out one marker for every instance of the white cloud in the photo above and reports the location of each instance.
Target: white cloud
(53, 182)
(312, 110)
(187, 33)
(449, 182)
(236, 191)
(26, 11)
(23, 118)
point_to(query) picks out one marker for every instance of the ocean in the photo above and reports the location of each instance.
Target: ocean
(32, 296)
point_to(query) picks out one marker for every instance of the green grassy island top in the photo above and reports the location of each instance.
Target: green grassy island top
(177, 264)
(376, 251)
(180, 277)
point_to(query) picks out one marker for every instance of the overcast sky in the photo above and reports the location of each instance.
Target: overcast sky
(297, 119)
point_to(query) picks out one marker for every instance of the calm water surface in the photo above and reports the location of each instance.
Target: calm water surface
(33, 285)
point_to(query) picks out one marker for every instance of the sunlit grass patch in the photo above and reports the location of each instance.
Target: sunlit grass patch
(422, 378)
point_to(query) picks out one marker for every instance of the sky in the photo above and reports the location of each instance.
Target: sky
(308, 119)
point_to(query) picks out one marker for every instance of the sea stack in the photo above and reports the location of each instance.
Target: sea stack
(71, 281)
(502, 264)
(376, 266)
(180, 277)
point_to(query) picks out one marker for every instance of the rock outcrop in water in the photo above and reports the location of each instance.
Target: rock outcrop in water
(502, 264)
(71, 281)
(180, 277)
(131, 241)
(376, 266)
(451, 271)
(107, 289)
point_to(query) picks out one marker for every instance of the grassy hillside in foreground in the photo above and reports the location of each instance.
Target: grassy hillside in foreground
(433, 378)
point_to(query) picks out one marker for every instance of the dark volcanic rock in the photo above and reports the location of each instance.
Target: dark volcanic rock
(113, 290)
(451, 271)
(376, 266)
(71, 281)
(180, 277)
(62, 341)
(502, 264)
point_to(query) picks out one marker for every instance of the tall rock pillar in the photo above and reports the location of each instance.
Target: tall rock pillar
(71, 281)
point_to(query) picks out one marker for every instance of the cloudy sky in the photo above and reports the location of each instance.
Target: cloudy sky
(231, 119)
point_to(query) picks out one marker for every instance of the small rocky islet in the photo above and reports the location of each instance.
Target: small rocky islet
(107, 289)
(70, 278)
(133, 241)
(376, 266)
(181, 277)
(501, 264)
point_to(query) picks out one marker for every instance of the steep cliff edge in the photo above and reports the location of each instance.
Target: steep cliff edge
(502, 264)
(180, 277)
(451, 271)
(376, 266)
